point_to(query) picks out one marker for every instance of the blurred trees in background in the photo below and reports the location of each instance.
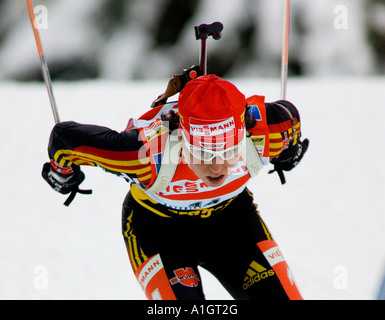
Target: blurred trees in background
(141, 39)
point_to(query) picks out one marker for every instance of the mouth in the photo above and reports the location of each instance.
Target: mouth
(216, 180)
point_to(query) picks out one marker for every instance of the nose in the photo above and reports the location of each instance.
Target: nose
(217, 164)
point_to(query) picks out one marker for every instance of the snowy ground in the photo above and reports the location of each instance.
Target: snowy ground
(329, 218)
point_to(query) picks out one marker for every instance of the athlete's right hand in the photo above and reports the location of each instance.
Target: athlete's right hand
(64, 180)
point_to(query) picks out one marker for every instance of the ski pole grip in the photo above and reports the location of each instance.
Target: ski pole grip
(204, 31)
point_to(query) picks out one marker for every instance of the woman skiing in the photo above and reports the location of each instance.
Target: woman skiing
(188, 163)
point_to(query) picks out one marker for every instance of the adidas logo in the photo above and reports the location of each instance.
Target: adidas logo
(256, 273)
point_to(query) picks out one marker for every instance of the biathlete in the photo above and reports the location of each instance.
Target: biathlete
(188, 163)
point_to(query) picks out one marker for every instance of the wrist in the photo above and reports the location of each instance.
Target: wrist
(61, 169)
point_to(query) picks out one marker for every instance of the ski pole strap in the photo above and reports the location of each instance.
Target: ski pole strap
(280, 174)
(73, 194)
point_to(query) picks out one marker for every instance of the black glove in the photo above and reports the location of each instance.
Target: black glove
(289, 159)
(64, 183)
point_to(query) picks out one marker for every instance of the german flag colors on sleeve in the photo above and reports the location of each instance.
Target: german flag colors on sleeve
(72, 143)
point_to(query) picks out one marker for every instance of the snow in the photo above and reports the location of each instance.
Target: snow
(328, 219)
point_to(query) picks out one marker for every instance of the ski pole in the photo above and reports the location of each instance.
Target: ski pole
(202, 32)
(43, 63)
(285, 49)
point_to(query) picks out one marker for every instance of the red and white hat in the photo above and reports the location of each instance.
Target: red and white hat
(212, 113)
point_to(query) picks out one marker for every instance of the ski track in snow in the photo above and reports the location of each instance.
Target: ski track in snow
(328, 219)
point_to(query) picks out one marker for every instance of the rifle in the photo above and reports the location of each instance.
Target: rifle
(177, 83)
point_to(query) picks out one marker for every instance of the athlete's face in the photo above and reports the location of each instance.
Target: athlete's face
(213, 172)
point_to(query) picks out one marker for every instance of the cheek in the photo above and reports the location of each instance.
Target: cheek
(232, 162)
(198, 169)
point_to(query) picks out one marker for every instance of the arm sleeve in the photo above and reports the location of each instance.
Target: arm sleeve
(74, 144)
(284, 126)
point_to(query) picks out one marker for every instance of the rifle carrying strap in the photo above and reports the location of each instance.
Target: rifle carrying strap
(168, 165)
(252, 159)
